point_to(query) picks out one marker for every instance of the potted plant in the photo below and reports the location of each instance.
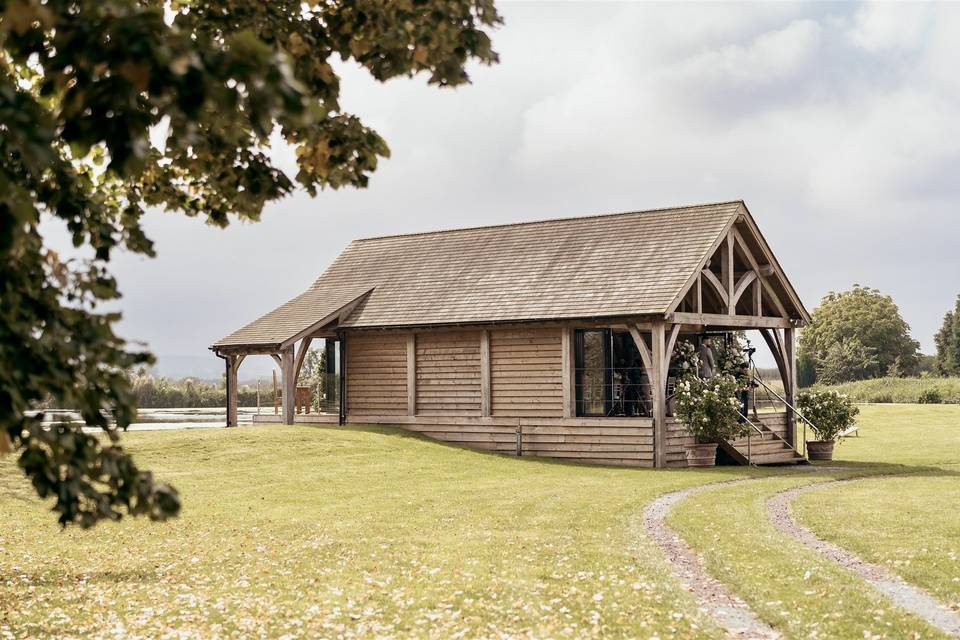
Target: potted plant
(830, 413)
(711, 411)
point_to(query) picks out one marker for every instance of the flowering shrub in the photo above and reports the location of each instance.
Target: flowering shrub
(829, 411)
(685, 359)
(729, 353)
(709, 408)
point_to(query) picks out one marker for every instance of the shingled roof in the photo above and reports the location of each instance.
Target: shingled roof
(607, 265)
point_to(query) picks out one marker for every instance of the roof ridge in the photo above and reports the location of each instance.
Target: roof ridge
(551, 220)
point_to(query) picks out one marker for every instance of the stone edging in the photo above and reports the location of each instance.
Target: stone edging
(907, 596)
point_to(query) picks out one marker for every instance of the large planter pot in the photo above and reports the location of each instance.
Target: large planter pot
(702, 455)
(820, 449)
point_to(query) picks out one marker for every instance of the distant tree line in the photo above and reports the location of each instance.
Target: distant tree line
(947, 339)
(860, 335)
(159, 392)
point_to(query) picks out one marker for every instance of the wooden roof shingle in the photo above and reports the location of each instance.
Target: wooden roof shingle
(606, 265)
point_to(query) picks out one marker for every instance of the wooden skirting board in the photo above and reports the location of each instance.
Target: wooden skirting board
(614, 441)
(313, 418)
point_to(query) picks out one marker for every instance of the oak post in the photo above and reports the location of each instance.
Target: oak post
(568, 381)
(658, 382)
(289, 384)
(232, 365)
(485, 403)
(790, 358)
(412, 374)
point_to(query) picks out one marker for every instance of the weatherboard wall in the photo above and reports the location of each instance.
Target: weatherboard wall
(520, 370)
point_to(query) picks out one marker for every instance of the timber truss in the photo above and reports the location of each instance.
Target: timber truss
(739, 285)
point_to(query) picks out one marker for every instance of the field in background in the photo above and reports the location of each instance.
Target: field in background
(930, 390)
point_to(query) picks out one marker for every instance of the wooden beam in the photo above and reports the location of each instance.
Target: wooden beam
(241, 350)
(717, 285)
(756, 267)
(698, 294)
(757, 298)
(726, 270)
(774, 346)
(721, 320)
(658, 389)
(288, 383)
(231, 390)
(412, 374)
(485, 404)
(643, 349)
(337, 315)
(671, 343)
(741, 287)
(298, 364)
(568, 372)
(705, 263)
(790, 362)
(276, 358)
(781, 276)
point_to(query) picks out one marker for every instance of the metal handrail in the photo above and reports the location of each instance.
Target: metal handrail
(793, 408)
(749, 443)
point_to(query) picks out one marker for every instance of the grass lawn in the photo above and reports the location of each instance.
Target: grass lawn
(911, 525)
(806, 596)
(327, 532)
(350, 533)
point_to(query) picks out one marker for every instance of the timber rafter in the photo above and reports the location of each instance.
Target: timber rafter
(739, 273)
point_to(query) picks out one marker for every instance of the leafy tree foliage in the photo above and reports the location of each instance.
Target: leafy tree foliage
(947, 339)
(806, 370)
(82, 85)
(858, 334)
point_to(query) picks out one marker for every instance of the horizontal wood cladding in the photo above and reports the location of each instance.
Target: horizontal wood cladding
(525, 372)
(613, 441)
(376, 374)
(677, 439)
(448, 373)
(678, 436)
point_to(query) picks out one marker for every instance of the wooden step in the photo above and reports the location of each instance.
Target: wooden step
(779, 457)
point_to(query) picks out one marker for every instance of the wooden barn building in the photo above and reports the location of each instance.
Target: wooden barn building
(549, 338)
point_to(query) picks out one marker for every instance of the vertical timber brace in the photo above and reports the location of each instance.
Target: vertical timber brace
(726, 271)
(298, 364)
(568, 382)
(485, 405)
(412, 374)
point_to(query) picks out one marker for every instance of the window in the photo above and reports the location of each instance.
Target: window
(610, 379)
(592, 372)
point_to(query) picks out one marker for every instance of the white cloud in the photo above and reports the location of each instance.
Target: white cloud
(880, 26)
(839, 124)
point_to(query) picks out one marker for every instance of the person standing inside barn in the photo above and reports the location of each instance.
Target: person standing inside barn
(707, 363)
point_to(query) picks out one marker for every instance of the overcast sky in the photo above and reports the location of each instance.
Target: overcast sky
(838, 124)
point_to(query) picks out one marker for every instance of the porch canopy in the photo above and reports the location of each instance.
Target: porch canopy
(654, 272)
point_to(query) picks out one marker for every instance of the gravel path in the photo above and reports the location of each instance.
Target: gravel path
(907, 596)
(727, 608)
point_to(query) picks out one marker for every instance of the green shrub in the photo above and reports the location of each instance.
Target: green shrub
(709, 408)
(930, 396)
(903, 390)
(830, 412)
